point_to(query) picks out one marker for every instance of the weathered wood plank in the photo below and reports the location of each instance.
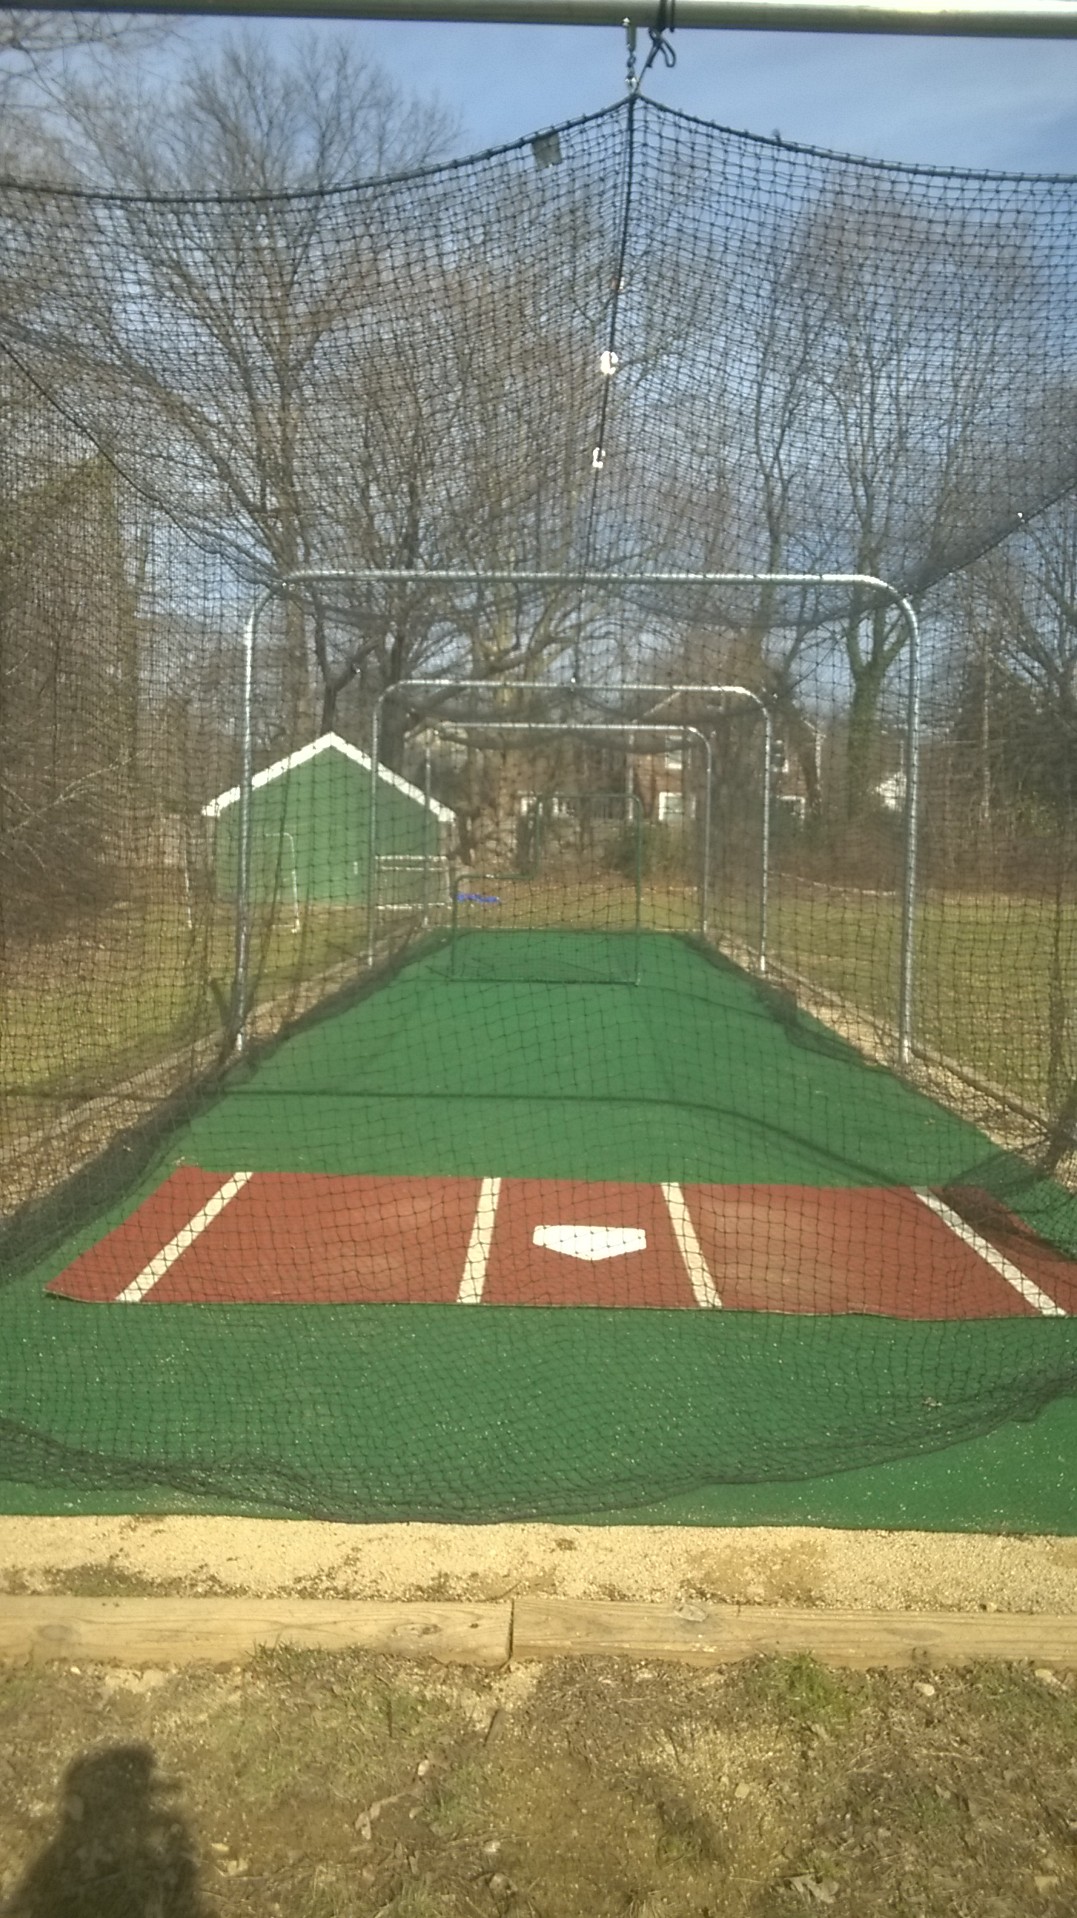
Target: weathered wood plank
(181, 1631)
(717, 1635)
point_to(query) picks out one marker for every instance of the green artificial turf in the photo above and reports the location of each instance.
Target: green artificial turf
(430, 1412)
(698, 1073)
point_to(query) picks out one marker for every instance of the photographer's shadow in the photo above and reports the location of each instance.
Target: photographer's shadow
(122, 1849)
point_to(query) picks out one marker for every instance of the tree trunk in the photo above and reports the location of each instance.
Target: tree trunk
(861, 758)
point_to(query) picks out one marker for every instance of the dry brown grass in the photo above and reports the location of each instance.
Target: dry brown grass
(343, 1787)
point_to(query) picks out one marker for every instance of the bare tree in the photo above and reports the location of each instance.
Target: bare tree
(210, 328)
(35, 47)
(312, 374)
(39, 52)
(885, 344)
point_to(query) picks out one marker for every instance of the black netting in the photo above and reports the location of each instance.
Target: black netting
(475, 831)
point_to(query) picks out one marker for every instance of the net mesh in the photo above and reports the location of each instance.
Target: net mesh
(551, 1008)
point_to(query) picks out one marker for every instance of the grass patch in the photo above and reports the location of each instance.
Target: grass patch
(314, 1785)
(137, 982)
(801, 1691)
(983, 988)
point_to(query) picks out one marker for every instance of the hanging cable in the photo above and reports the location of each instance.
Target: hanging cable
(610, 359)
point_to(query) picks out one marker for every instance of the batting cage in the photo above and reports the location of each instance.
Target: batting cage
(538, 826)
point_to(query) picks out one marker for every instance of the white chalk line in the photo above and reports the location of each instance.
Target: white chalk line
(699, 1274)
(477, 1256)
(150, 1274)
(1011, 1273)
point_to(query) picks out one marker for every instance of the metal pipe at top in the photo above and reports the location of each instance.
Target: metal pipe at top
(985, 19)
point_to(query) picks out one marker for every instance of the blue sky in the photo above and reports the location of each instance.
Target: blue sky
(954, 102)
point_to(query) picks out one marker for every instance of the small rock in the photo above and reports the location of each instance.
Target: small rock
(925, 1690)
(216, 1845)
(499, 1885)
(1046, 1881)
(422, 1768)
(742, 1791)
(491, 1848)
(1047, 1677)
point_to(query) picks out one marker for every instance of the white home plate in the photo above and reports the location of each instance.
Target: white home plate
(590, 1242)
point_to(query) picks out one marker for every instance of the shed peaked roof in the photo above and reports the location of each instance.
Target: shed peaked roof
(329, 742)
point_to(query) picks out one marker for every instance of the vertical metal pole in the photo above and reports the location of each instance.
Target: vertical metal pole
(639, 885)
(296, 922)
(705, 889)
(187, 882)
(912, 824)
(241, 981)
(426, 840)
(372, 835)
(764, 900)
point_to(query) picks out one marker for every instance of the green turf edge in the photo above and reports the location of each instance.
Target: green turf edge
(1019, 1480)
(516, 1414)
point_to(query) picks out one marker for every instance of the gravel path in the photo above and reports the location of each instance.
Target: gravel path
(915, 1571)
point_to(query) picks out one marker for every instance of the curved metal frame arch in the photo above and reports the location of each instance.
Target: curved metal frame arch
(356, 576)
(588, 686)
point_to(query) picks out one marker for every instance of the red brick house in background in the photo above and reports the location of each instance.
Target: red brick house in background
(658, 781)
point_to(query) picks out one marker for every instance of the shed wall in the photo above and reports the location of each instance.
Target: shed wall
(314, 822)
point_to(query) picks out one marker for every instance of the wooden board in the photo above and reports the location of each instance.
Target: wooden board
(717, 1635)
(181, 1631)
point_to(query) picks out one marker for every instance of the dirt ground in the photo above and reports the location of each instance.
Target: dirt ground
(314, 1786)
(309, 1785)
(918, 1571)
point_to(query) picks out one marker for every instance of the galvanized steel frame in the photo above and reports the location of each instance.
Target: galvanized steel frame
(358, 576)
